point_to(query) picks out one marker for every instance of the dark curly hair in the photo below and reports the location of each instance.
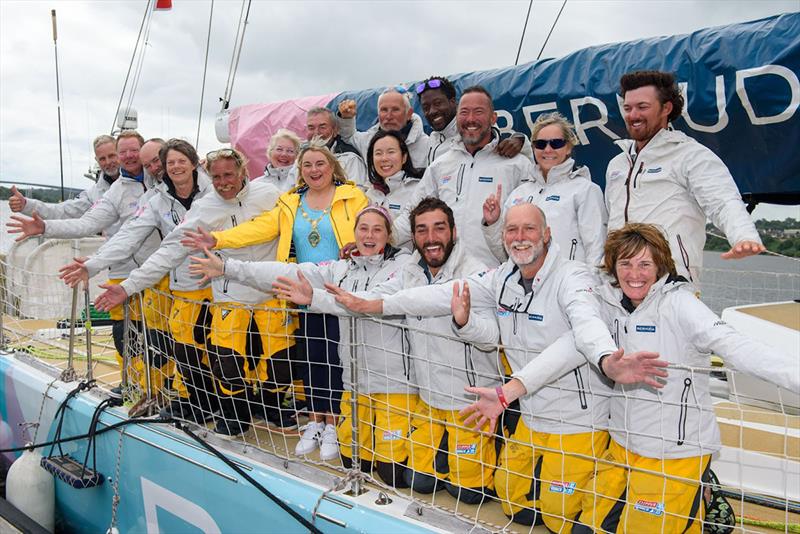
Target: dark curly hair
(664, 82)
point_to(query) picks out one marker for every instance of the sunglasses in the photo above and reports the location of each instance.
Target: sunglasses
(431, 84)
(224, 153)
(541, 144)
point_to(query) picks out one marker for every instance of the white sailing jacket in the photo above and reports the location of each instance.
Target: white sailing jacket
(442, 364)
(72, 208)
(575, 210)
(678, 421)
(107, 215)
(160, 212)
(383, 362)
(677, 183)
(401, 189)
(560, 301)
(213, 213)
(416, 140)
(464, 182)
(283, 178)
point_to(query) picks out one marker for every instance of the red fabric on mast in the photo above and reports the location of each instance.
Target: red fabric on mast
(163, 5)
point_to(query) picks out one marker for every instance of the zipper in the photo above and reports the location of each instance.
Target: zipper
(616, 332)
(225, 285)
(684, 257)
(687, 384)
(581, 389)
(573, 249)
(469, 367)
(233, 220)
(460, 180)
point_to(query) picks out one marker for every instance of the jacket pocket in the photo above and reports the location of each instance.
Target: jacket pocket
(687, 385)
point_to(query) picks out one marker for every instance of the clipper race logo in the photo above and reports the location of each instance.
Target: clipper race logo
(567, 488)
(649, 507)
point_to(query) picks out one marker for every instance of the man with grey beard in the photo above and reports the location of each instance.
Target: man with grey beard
(538, 300)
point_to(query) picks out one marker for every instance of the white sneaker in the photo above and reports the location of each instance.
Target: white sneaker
(329, 445)
(309, 441)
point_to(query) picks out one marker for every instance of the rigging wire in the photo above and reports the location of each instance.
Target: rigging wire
(205, 70)
(551, 30)
(130, 66)
(140, 62)
(524, 28)
(237, 53)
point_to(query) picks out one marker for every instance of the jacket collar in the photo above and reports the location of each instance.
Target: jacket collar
(450, 131)
(560, 173)
(613, 295)
(416, 131)
(277, 172)
(551, 262)
(664, 138)
(458, 144)
(448, 270)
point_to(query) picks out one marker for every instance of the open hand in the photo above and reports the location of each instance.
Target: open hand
(74, 273)
(209, 267)
(298, 291)
(27, 226)
(199, 240)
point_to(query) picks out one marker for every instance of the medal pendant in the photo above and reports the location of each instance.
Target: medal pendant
(314, 238)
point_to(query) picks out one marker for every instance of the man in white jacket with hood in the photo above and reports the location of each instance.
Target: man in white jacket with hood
(665, 177)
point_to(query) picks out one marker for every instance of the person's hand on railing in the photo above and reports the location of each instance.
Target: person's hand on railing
(209, 267)
(199, 240)
(298, 291)
(113, 296)
(27, 226)
(74, 273)
(17, 200)
(354, 303)
(634, 368)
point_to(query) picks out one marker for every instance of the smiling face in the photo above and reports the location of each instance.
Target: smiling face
(226, 178)
(320, 125)
(637, 275)
(108, 159)
(475, 119)
(437, 108)
(644, 115)
(128, 149)
(387, 157)
(372, 234)
(179, 168)
(148, 155)
(525, 235)
(316, 170)
(550, 157)
(283, 154)
(434, 238)
(393, 113)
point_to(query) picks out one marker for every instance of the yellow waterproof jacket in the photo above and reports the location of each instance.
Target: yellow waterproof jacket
(278, 222)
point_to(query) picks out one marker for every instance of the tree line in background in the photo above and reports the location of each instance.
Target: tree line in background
(782, 237)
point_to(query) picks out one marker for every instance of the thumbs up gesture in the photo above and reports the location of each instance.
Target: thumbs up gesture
(17, 201)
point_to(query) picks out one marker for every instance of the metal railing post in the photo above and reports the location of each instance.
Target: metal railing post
(355, 485)
(87, 324)
(146, 356)
(4, 278)
(126, 349)
(68, 375)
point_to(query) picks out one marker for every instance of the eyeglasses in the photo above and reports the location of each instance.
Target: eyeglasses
(224, 153)
(281, 150)
(516, 307)
(541, 144)
(430, 84)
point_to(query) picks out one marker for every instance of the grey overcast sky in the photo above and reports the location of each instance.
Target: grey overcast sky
(291, 49)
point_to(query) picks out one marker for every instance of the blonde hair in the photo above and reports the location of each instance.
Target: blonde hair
(283, 133)
(124, 134)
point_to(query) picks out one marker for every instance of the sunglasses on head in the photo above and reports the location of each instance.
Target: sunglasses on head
(224, 153)
(541, 144)
(430, 84)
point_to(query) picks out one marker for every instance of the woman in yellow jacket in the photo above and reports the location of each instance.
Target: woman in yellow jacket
(311, 222)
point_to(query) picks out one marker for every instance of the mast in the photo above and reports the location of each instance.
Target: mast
(58, 100)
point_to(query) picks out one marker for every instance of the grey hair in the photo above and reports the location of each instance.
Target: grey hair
(319, 110)
(283, 133)
(540, 210)
(555, 118)
(406, 97)
(101, 140)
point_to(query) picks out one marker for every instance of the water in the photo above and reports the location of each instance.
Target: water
(724, 283)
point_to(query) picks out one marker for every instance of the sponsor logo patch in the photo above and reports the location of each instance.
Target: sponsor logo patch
(567, 488)
(645, 328)
(517, 200)
(485, 179)
(615, 174)
(720, 323)
(392, 435)
(654, 170)
(503, 313)
(535, 317)
(467, 448)
(445, 179)
(225, 313)
(649, 507)
(394, 206)
(555, 198)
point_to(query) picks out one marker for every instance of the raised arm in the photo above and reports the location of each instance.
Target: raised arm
(261, 229)
(102, 215)
(122, 245)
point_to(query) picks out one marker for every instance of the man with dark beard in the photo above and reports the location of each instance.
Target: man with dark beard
(442, 452)
(468, 173)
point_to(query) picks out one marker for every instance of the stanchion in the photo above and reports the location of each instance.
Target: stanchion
(355, 484)
(68, 375)
(87, 324)
(126, 345)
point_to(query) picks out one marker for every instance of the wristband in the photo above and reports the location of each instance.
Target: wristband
(501, 397)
